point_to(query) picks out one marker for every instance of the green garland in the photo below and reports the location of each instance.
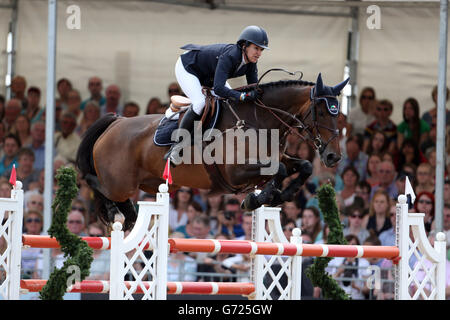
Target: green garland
(316, 272)
(72, 245)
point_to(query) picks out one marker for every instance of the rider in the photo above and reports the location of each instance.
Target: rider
(211, 66)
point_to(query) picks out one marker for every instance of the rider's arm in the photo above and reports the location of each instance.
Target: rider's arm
(223, 70)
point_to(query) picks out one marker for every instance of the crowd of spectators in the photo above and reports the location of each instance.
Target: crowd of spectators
(378, 155)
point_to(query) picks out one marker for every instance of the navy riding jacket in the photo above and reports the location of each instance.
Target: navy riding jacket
(214, 64)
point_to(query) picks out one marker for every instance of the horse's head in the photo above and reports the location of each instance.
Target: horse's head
(321, 120)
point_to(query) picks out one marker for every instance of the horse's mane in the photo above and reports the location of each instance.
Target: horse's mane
(276, 84)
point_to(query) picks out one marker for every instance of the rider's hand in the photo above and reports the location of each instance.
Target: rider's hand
(249, 96)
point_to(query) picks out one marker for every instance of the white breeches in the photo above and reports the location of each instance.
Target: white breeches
(191, 87)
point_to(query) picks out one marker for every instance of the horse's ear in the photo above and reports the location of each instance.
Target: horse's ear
(338, 88)
(319, 83)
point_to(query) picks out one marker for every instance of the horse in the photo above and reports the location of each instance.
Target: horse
(117, 155)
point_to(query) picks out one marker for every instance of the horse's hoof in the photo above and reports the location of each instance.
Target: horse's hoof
(250, 202)
(119, 217)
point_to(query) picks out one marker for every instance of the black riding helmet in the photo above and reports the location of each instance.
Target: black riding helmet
(255, 35)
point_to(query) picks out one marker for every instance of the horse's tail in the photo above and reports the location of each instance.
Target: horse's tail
(85, 159)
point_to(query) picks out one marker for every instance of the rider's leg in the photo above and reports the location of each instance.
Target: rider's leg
(192, 88)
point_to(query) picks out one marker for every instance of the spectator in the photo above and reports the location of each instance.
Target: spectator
(91, 113)
(247, 226)
(230, 226)
(173, 89)
(179, 206)
(64, 86)
(11, 145)
(384, 124)
(291, 211)
(33, 111)
(213, 264)
(425, 178)
(76, 223)
(362, 191)
(154, 106)
(378, 219)
(74, 103)
(409, 154)
(194, 210)
(359, 118)
(38, 144)
(112, 103)
(201, 228)
(33, 223)
(214, 205)
(25, 170)
(386, 173)
(446, 225)
(80, 206)
(12, 110)
(431, 156)
(372, 165)
(2, 136)
(311, 224)
(2, 107)
(67, 141)
(234, 205)
(181, 267)
(425, 204)
(18, 88)
(350, 268)
(101, 263)
(355, 227)
(22, 129)
(412, 126)
(431, 115)
(239, 265)
(288, 227)
(350, 177)
(376, 143)
(447, 191)
(34, 202)
(5, 188)
(344, 130)
(354, 156)
(131, 109)
(95, 88)
(387, 237)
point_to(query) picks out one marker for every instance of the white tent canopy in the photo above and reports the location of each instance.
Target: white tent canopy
(135, 44)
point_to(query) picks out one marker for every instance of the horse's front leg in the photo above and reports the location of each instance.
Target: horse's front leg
(269, 194)
(304, 170)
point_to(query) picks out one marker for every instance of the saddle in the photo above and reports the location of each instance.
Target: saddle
(181, 104)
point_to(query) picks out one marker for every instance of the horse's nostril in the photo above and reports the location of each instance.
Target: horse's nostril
(333, 158)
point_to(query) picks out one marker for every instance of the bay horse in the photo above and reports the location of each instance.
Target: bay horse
(117, 155)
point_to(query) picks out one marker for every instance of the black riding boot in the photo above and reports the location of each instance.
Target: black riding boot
(187, 122)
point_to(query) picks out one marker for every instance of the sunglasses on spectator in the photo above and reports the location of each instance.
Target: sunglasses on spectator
(75, 221)
(95, 235)
(30, 220)
(367, 97)
(425, 201)
(81, 209)
(174, 91)
(383, 109)
(356, 216)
